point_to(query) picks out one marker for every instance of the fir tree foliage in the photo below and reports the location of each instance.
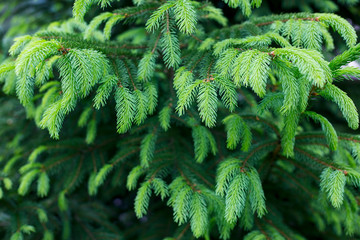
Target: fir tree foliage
(215, 125)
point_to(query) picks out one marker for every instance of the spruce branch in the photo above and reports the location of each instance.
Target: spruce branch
(109, 76)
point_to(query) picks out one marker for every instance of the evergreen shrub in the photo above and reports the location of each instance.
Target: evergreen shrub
(171, 120)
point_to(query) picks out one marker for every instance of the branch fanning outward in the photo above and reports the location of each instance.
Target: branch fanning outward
(214, 122)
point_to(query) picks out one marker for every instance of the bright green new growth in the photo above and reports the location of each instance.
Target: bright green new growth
(147, 149)
(327, 128)
(207, 103)
(333, 183)
(245, 5)
(204, 142)
(211, 123)
(345, 104)
(185, 16)
(125, 108)
(235, 197)
(237, 130)
(257, 198)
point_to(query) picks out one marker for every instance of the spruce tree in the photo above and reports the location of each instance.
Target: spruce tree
(171, 120)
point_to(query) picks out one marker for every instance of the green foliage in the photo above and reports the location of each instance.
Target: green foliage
(25, 66)
(185, 16)
(207, 103)
(199, 217)
(251, 69)
(288, 133)
(173, 119)
(96, 22)
(142, 199)
(19, 44)
(125, 109)
(146, 66)
(43, 185)
(257, 198)
(237, 130)
(104, 91)
(5, 68)
(345, 104)
(244, 4)
(147, 149)
(344, 58)
(157, 16)
(203, 143)
(309, 63)
(171, 49)
(328, 129)
(340, 25)
(26, 181)
(333, 183)
(81, 7)
(164, 117)
(235, 197)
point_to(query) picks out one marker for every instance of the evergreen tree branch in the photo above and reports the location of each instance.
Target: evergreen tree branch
(318, 160)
